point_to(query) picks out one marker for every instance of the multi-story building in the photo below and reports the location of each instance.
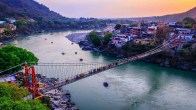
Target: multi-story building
(11, 27)
(120, 39)
(124, 28)
(2, 30)
(136, 31)
(152, 30)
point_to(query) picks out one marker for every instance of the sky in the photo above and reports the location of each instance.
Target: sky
(117, 8)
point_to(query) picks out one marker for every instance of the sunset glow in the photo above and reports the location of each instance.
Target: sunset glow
(118, 8)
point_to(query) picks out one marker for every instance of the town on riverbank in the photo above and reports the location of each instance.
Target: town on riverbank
(126, 40)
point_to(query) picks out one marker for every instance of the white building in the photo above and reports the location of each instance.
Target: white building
(11, 20)
(2, 22)
(109, 28)
(120, 39)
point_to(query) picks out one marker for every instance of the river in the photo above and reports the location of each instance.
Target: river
(133, 86)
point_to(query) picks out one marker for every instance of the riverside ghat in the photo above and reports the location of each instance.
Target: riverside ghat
(59, 99)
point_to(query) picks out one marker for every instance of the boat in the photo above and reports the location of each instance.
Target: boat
(105, 84)
(51, 42)
(76, 52)
(81, 59)
(63, 53)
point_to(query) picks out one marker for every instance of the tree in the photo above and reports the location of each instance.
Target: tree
(162, 34)
(12, 98)
(6, 103)
(188, 22)
(107, 38)
(8, 32)
(12, 56)
(94, 38)
(117, 27)
(20, 23)
(12, 91)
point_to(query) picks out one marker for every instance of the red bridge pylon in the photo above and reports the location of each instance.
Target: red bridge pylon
(31, 80)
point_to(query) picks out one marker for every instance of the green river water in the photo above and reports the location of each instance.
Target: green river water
(133, 86)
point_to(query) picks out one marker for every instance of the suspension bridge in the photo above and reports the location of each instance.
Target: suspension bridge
(72, 72)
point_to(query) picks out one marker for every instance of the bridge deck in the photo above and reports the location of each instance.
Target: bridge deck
(99, 70)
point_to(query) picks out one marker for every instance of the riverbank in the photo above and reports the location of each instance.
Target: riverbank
(77, 37)
(180, 59)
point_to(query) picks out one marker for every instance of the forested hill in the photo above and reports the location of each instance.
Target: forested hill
(171, 17)
(28, 9)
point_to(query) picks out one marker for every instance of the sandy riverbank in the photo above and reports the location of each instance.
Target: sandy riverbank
(77, 37)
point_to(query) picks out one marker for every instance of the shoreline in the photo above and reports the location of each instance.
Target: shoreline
(78, 37)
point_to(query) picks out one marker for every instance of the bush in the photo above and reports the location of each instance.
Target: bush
(94, 38)
(12, 56)
(107, 38)
(12, 98)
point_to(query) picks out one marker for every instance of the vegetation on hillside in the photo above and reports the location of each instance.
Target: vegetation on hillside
(12, 56)
(12, 98)
(187, 22)
(94, 38)
(162, 34)
(107, 38)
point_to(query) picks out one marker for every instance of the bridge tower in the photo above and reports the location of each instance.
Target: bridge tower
(31, 80)
(26, 79)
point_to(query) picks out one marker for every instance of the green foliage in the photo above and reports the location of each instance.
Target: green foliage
(188, 22)
(12, 91)
(12, 99)
(6, 103)
(162, 34)
(8, 32)
(36, 105)
(118, 26)
(12, 56)
(136, 48)
(106, 38)
(20, 23)
(94, 38)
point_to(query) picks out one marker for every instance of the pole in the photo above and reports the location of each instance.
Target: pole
(26, 79)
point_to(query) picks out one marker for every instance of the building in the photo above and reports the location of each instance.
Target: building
(11, 20)
(1, 44)
(152, 30)
(144, 41)
(136, 31)
(194, 26)
(109, 28)
(31, 21)
(2, 22)
(183, 31)
(11, 27)
(2, 30)
(120, 39)
(161, 24)
(174, 25)
(124, 28)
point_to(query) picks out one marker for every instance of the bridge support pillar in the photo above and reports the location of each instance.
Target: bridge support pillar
(31, 80)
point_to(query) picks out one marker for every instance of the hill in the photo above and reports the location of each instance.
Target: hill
(27, 9)
(171, 17)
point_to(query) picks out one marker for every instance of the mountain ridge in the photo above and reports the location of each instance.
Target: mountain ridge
(170, 17)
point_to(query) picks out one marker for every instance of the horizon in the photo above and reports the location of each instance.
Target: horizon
(112, 9)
